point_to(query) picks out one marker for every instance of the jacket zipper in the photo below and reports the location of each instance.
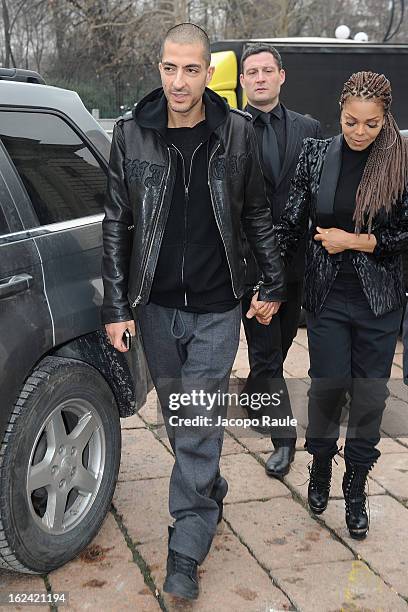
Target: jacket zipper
(139, 297)
(216, 218)
(186, 195)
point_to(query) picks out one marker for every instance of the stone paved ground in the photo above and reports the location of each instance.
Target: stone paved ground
(270, 553)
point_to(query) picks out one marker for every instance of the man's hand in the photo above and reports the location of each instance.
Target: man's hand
(262, 311)
(333, 239)
(115, 332)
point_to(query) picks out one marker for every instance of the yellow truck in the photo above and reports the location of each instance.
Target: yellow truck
(316, 69)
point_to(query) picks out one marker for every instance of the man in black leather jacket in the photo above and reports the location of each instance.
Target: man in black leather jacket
(184, 186)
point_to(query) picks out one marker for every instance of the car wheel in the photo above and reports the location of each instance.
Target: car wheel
(59, 462)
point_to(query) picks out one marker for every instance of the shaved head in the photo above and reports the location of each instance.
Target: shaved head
(188, 34)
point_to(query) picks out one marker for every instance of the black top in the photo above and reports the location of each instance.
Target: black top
(187, 140)
(192, 272)
(351, 172)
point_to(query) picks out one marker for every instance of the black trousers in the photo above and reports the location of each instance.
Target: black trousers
(268, 346)
(350, 350)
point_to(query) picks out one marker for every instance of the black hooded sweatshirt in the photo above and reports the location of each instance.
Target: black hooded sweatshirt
(192, 272)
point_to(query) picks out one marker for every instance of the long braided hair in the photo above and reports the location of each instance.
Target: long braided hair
(386, 171)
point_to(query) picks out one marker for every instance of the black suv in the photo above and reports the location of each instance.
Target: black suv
(63, 387)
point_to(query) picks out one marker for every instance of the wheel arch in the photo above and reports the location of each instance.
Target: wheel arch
(94, 350)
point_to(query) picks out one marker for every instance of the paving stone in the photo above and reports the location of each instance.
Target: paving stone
(11, 582)
(230, 579)
(253, 441)
(396, 371)
(398, 359)
(143, 506)
(298, 477)
(161, 433)
(104, 576)
(297, 361)
(247, 480)
(385, 548)
(400, 348)
(241, 359)
(301, 337)
(385, 446)
(133, 422)
(231, 446)
(258, 443)
(143, 456)
(395, 418)
(281, 534)
(342, 585)
(242, 372)
(391, 472)
(298, 389)
(390, 445)
(398, 388)
(151, 412)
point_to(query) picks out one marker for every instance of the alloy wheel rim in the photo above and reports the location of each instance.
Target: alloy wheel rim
(66, 466)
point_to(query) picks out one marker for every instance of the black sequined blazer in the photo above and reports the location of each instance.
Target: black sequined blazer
(311, 203)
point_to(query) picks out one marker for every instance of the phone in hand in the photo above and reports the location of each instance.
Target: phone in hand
(127, 339)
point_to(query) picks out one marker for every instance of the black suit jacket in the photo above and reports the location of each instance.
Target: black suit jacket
(298, 127)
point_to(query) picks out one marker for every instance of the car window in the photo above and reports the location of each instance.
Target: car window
(61, 175)
(4, 228)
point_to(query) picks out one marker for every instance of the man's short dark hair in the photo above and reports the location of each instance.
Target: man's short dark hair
(261, 48)
(188, 33)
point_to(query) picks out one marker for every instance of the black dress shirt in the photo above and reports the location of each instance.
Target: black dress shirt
(278, 124)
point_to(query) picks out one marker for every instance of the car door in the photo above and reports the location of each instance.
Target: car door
(65, 182)
(26, 330)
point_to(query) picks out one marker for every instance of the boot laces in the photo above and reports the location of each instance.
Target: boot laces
(357, 497)
(320, 473)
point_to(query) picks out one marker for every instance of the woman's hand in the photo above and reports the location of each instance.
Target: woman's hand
(336, 240)
(333, 239)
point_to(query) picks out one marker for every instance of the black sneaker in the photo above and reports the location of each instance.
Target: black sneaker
(181, 579)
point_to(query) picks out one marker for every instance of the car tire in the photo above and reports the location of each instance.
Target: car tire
(59, 462)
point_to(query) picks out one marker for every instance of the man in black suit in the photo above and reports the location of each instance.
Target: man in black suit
(280, 133)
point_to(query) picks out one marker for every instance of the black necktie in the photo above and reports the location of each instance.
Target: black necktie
(270, 151)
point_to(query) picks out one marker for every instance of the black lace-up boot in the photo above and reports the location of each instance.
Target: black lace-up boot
(354, 483)
(181, 579)
(319, 483)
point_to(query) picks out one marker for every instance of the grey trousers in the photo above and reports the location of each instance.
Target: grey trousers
(185, 352)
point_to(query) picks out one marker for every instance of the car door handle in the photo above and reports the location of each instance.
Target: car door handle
(15, 284)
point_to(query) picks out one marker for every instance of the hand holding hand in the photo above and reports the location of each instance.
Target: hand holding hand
(262, 311)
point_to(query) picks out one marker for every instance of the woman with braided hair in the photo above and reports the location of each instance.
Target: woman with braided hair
(349, 194)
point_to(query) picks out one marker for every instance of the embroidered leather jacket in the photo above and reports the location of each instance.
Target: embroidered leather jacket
(310, 204)
(140, 182)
